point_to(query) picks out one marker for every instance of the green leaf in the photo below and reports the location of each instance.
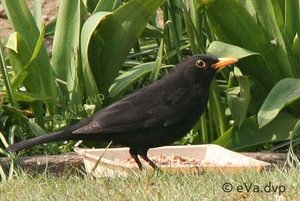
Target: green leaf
(192, 24)
(250, 135)
(217, 109)
(37, 13)
(20, 60)
(3, 140)
(245, 32)
(221, 49)
(87, 39)
(152, 31)
(296, 130)
(6, 80)
(250, 63)
(105, 5)
(44, 80)
(41, 79)
(128, 78)
(156, 68)
(292, 21)
(115, 36)
(266, 18)
(238, 99)
(66, 50)
(296, 47)
(278, 6)
(13, 45)
(28, 97)
(36, 129)
(284, 92)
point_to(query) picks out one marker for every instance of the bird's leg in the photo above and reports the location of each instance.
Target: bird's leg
(151, 163)
(143, 154)
(134, 155)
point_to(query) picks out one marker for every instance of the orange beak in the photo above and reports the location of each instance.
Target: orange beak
(223, 62)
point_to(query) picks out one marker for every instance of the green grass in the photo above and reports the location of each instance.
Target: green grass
(159, 186)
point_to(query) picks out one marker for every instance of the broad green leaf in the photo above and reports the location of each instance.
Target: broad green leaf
(37, 13)
(266, 19)
(284, 92)
(66, 49)
(238, 99)
(296, 47)
(295, 54)
(250, 135)
(292, 21)
(152, 31)
(105, 5)
(278, 6)
(115, 36)
(239, 28)
(86, 45)
(249, 7)
(41, 71)
(22, 67)
(128, 78)
(12, 44)
(217, 109)
(36, 129)
(221, 49)
(250, 63)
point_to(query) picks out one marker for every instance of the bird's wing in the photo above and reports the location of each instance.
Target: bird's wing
(155, 108)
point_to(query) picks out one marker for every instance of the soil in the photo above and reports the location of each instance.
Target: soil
(49, 13)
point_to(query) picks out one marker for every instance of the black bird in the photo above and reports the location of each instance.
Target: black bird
(156, 115)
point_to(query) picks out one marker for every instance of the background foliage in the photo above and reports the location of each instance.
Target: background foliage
(105, 49)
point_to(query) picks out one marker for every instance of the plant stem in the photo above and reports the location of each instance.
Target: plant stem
(7, 83)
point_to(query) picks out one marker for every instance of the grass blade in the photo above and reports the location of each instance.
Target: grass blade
(157, 66)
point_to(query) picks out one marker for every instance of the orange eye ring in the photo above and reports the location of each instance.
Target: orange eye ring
(200, 63)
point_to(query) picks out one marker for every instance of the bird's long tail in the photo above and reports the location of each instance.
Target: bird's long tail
(56, 136)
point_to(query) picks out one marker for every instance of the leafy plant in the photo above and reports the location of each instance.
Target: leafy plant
(105, 49)
(91, 42)
(268, 30)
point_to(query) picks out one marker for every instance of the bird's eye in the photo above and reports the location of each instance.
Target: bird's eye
(200, 63)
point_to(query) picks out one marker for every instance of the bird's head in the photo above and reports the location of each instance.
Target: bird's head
(204, 67)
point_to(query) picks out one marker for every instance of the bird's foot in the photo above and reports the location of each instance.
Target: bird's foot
(151, 163)
(143, 153)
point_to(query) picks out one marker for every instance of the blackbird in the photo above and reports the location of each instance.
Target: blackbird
(156, 115)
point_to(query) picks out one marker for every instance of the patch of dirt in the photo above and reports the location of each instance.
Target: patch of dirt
(49, 13)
